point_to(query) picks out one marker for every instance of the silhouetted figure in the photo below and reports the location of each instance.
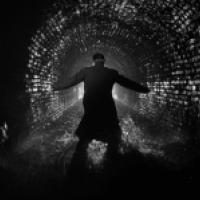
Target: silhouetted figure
(100, 119)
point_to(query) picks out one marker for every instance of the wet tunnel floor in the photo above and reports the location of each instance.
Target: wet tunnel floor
(150, 156)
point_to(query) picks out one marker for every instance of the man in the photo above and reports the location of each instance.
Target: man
(100, 119)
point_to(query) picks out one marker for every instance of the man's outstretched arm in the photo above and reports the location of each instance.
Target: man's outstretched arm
(123, 81)
(72, 81)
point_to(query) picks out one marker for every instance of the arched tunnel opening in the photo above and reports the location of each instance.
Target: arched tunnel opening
(155, 43)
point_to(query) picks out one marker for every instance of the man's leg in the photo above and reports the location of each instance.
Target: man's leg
(79, 158)
(112, 155)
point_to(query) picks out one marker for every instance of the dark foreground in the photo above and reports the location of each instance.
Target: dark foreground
(39, 166)
(134, 175)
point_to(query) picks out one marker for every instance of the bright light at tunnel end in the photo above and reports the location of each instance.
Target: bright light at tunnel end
(81, 91)
(114, 93)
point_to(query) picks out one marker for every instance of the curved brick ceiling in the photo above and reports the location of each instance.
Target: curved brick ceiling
(156, 42)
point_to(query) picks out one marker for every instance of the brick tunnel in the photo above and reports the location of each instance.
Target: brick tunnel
(154, 42)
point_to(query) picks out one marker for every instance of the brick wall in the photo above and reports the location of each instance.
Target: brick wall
(162, 37)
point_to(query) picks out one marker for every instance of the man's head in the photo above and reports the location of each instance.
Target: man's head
(98, 59)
